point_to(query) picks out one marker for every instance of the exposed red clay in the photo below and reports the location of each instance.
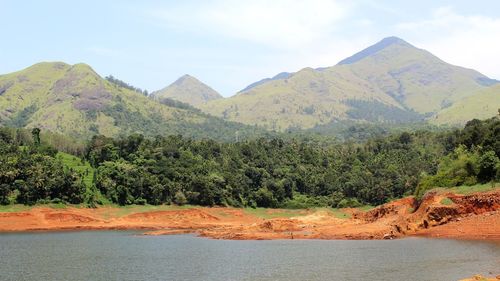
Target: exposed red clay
(474, 216)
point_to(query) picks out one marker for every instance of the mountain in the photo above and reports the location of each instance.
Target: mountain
(389, 82)
(189, 90)
(76, 101)
(481, 105)
(415, 77)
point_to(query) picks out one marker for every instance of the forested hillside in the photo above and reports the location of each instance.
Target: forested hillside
(263, 172)
(75, 101)
(31, 173)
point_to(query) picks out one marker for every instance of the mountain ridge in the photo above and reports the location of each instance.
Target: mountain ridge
(390, 82)
(74, 100)
(392, 78)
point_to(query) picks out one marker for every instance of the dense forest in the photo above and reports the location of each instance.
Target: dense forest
(31, 174)
(266, 172)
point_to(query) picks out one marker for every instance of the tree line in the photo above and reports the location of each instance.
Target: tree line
(266, 172)
(124, 84)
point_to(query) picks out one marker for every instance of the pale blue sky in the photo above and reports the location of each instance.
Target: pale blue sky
(230, 44)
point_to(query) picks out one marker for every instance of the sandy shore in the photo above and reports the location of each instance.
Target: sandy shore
(474, 216)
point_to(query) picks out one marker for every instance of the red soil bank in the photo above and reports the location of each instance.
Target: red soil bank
(474, 216)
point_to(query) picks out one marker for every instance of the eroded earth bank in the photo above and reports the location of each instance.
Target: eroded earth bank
(447, 215)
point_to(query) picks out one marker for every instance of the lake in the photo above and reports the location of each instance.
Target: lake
(125, 255)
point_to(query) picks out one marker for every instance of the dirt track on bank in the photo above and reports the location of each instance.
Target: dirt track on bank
(444, 215)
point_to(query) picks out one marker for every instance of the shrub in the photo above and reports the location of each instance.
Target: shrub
(140, 201)
(179, 198)
(349, 203)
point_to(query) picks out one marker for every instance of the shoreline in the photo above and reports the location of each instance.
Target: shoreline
(470, 217)
(196, 234)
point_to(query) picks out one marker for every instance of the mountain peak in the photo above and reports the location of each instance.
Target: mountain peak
(384, 43)
(83, 68)
(188, 89)
(392, 40)
(186, 77)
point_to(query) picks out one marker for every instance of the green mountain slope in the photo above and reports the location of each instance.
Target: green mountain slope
(415, 77)
(305, 99)
(481, 105)
(189, 90)
(389, 82)
(76, 101)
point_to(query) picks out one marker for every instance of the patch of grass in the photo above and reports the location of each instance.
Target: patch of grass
(82, 167)
(14, 208)
(465, 189)
(56, 205)
(21, 208)
(366, 208)
(266, 213)
(484, 104)
(338, 213)
(446, 201)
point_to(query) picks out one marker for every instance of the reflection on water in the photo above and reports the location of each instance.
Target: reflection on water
(115, 255)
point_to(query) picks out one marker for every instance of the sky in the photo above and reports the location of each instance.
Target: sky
(230, 44)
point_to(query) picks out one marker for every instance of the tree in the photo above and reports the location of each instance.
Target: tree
(405, 138)
(488, 165)
(36, 136)
(4, 193)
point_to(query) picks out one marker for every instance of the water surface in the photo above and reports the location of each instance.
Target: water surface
(123, 255)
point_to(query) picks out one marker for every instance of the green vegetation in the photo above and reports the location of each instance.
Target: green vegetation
(188, 89)
(12, 208)
(291, 174)
(276, 173)
(374, 111)
(465, 189)
(482, 105)
(74, 101)
(125, 85)
(21, 118)
(264, 173)
(446, 201)
(78, 165)
(472, 158)
(32, 174)
(389, 82)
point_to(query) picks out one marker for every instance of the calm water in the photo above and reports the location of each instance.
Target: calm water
(121, 255)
